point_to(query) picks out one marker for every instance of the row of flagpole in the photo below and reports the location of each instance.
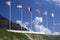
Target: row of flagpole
(28, 9)
(47, 20)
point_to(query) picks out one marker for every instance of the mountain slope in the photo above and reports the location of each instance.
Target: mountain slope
(4, 23)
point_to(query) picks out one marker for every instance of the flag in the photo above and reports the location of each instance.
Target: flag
(19, 6)
(28, 9)
(8, 2)
(52, 15)
(38, 10)
(45, 12)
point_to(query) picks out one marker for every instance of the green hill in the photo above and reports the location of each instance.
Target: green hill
(4, 35)
(4, 23)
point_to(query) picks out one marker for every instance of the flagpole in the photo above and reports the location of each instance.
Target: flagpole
(21, 17)
(9, 4)
(10, 16)
(38, 11)
(53, 22)
(31, 21)
(53, 26)
(46, 20)
(39, 14)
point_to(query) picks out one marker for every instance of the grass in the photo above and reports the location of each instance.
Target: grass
(10, 35)
(5, 35)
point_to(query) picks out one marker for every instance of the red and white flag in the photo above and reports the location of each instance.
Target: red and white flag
(38, 10)
(28, 9)
(8, 2)
(19, 6)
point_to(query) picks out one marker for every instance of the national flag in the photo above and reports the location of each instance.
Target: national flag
(28, 9)
(8, 2)
(38, 10)
(52, 15)
(45, 12)
(19, 6)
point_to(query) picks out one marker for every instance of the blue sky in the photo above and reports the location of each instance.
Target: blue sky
(51, 6)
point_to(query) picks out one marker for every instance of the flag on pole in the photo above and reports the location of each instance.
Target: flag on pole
(38, 10)
(28, 9)
(53, 22)
(8, 2)
(46, 16)
(19, 6)
(52, 15)
(45, 12)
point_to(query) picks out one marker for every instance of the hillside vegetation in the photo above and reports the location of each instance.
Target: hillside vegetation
(5, 35)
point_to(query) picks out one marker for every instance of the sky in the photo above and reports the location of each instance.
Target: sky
(39, 21)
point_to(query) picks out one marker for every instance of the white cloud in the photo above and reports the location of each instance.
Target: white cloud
(56, 2)
(56, 23)
(39, 27)
(37, 20)
(25, 24)
(42, 29)
(56, 33)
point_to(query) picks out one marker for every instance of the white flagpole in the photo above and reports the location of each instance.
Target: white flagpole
(46, 19)
(53, 22)
(10, 16)
(9, 4)
(31, 21)
(21, 17)
(53, 25)
(38, 11)
(20, 7)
